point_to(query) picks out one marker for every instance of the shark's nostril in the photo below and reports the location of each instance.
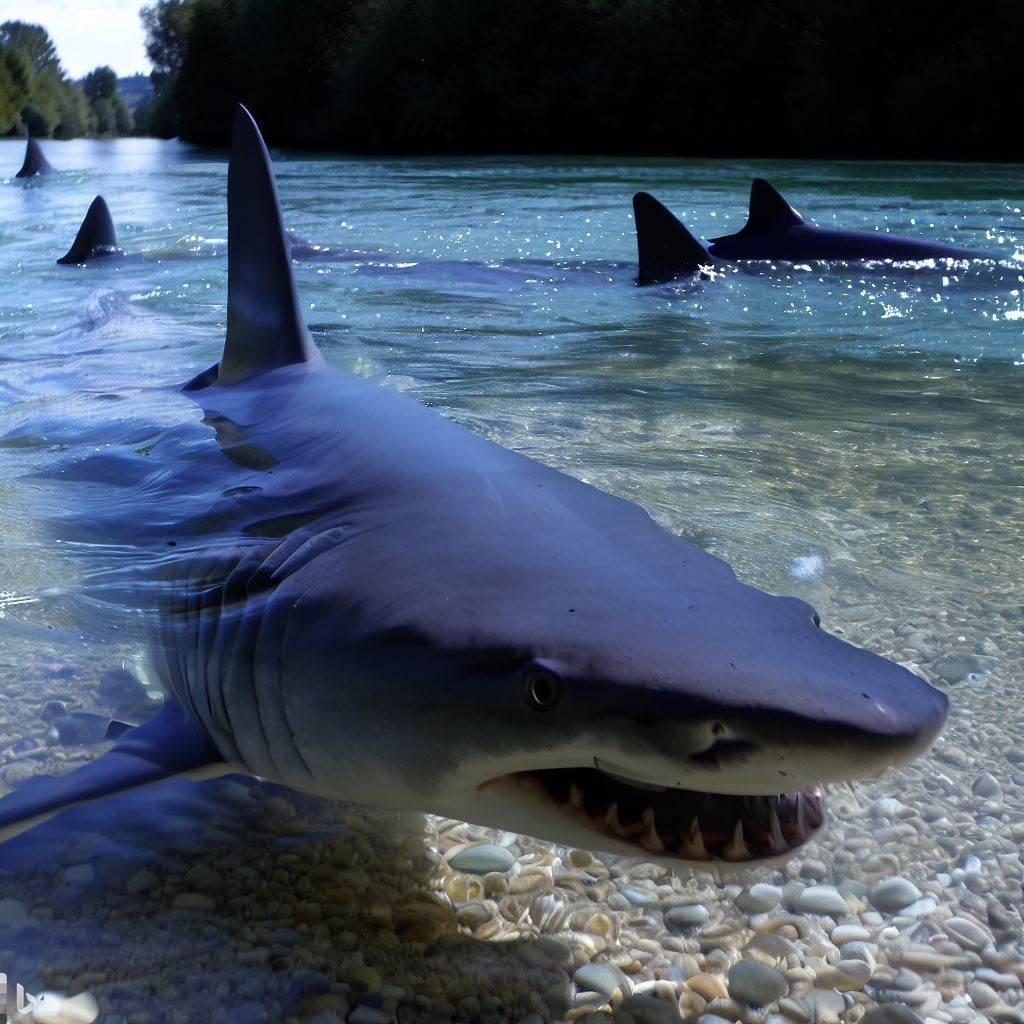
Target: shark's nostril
(722, 752)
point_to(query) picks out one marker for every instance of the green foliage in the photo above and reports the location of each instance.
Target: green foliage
(15, 85)
(34, 89)
(783, 77)
(110, 113)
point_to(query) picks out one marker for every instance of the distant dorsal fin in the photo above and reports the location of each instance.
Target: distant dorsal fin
(96, 236)
(265, 325)
(768, 210)
(665, 248)
(34, 162)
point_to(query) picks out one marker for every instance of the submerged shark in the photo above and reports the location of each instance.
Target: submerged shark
(34, 162)
(365, 601)
(774, 231)
(96, 237)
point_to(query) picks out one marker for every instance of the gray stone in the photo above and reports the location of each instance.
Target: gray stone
(756, 984)
(482, 858)
(893, 894)
(759, 899)
(824, 900)
(987, 787)
(602, 978)
(891, 1013)
(685, 916)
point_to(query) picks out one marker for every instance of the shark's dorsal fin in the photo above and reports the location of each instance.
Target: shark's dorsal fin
(768, 210)
(34, 162)
(96, 236)
(665, 248)
(265, 325)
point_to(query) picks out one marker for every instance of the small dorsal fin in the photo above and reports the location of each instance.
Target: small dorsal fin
(34, 162)
(665, 248)
(768, 210)
(96, 236)
(265, 325)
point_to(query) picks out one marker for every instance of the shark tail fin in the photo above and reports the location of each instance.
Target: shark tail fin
(96, 236)
(34, 162)
(265, 325)
(664, 247)
(768, 210)
(167, 745)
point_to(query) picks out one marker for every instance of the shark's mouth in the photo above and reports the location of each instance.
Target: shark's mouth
(679, 823)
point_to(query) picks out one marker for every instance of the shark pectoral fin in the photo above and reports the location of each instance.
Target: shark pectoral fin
(95, 237)
(664, 247)
(265, 325)
(167, 745)
(768, 210)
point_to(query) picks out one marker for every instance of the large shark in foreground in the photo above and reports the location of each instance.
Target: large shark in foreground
(774, 231)
(365, 601)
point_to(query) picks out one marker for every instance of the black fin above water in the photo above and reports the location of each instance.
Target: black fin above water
(265, 325)
(35, 162)
(96, 236)
(768, 210)
(664, 247)
(167, 745)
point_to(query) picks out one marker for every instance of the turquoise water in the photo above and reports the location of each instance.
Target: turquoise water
(854, 436)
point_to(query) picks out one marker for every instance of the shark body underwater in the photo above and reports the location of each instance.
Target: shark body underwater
(371, 603)
(774, 231)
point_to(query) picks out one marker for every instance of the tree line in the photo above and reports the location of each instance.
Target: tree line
(37, 96)
(861, 78)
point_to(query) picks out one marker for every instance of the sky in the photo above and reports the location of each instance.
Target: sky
(88, 32)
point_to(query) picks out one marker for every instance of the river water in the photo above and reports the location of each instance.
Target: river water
(851, 435)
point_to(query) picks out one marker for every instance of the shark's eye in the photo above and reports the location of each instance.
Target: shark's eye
(541, 687)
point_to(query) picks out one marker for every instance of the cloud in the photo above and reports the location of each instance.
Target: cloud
(88, 32)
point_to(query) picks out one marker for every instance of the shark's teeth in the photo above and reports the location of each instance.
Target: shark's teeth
(778, 842)
(736, 848)
(801, 816)
(650, 840)
(723, 827)
(692, 847)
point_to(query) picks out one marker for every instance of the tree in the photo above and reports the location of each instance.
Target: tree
(15, 84)
(167, 23)
(34, 42)
(100, 84)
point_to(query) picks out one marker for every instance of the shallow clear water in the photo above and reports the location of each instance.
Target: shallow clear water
(850, 435)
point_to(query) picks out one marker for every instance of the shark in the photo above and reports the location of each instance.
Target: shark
(34, 162)
(774, 231)
(96, 236)
(360, 599)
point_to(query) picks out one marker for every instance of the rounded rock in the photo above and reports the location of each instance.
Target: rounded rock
(893, 894)
(756, 984)
(823, 900)
(686, 916)
(482, 859)
(759, 898)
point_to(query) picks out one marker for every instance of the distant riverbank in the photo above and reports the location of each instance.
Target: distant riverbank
(682, 78)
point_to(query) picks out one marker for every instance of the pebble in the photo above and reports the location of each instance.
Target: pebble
(824, 900)
(891, 1013)
(893, 894)
(483, 858)
(755, 983)
(686, 916)
(759, 898)
(987, 787)
(193, 901)
(603, 979)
